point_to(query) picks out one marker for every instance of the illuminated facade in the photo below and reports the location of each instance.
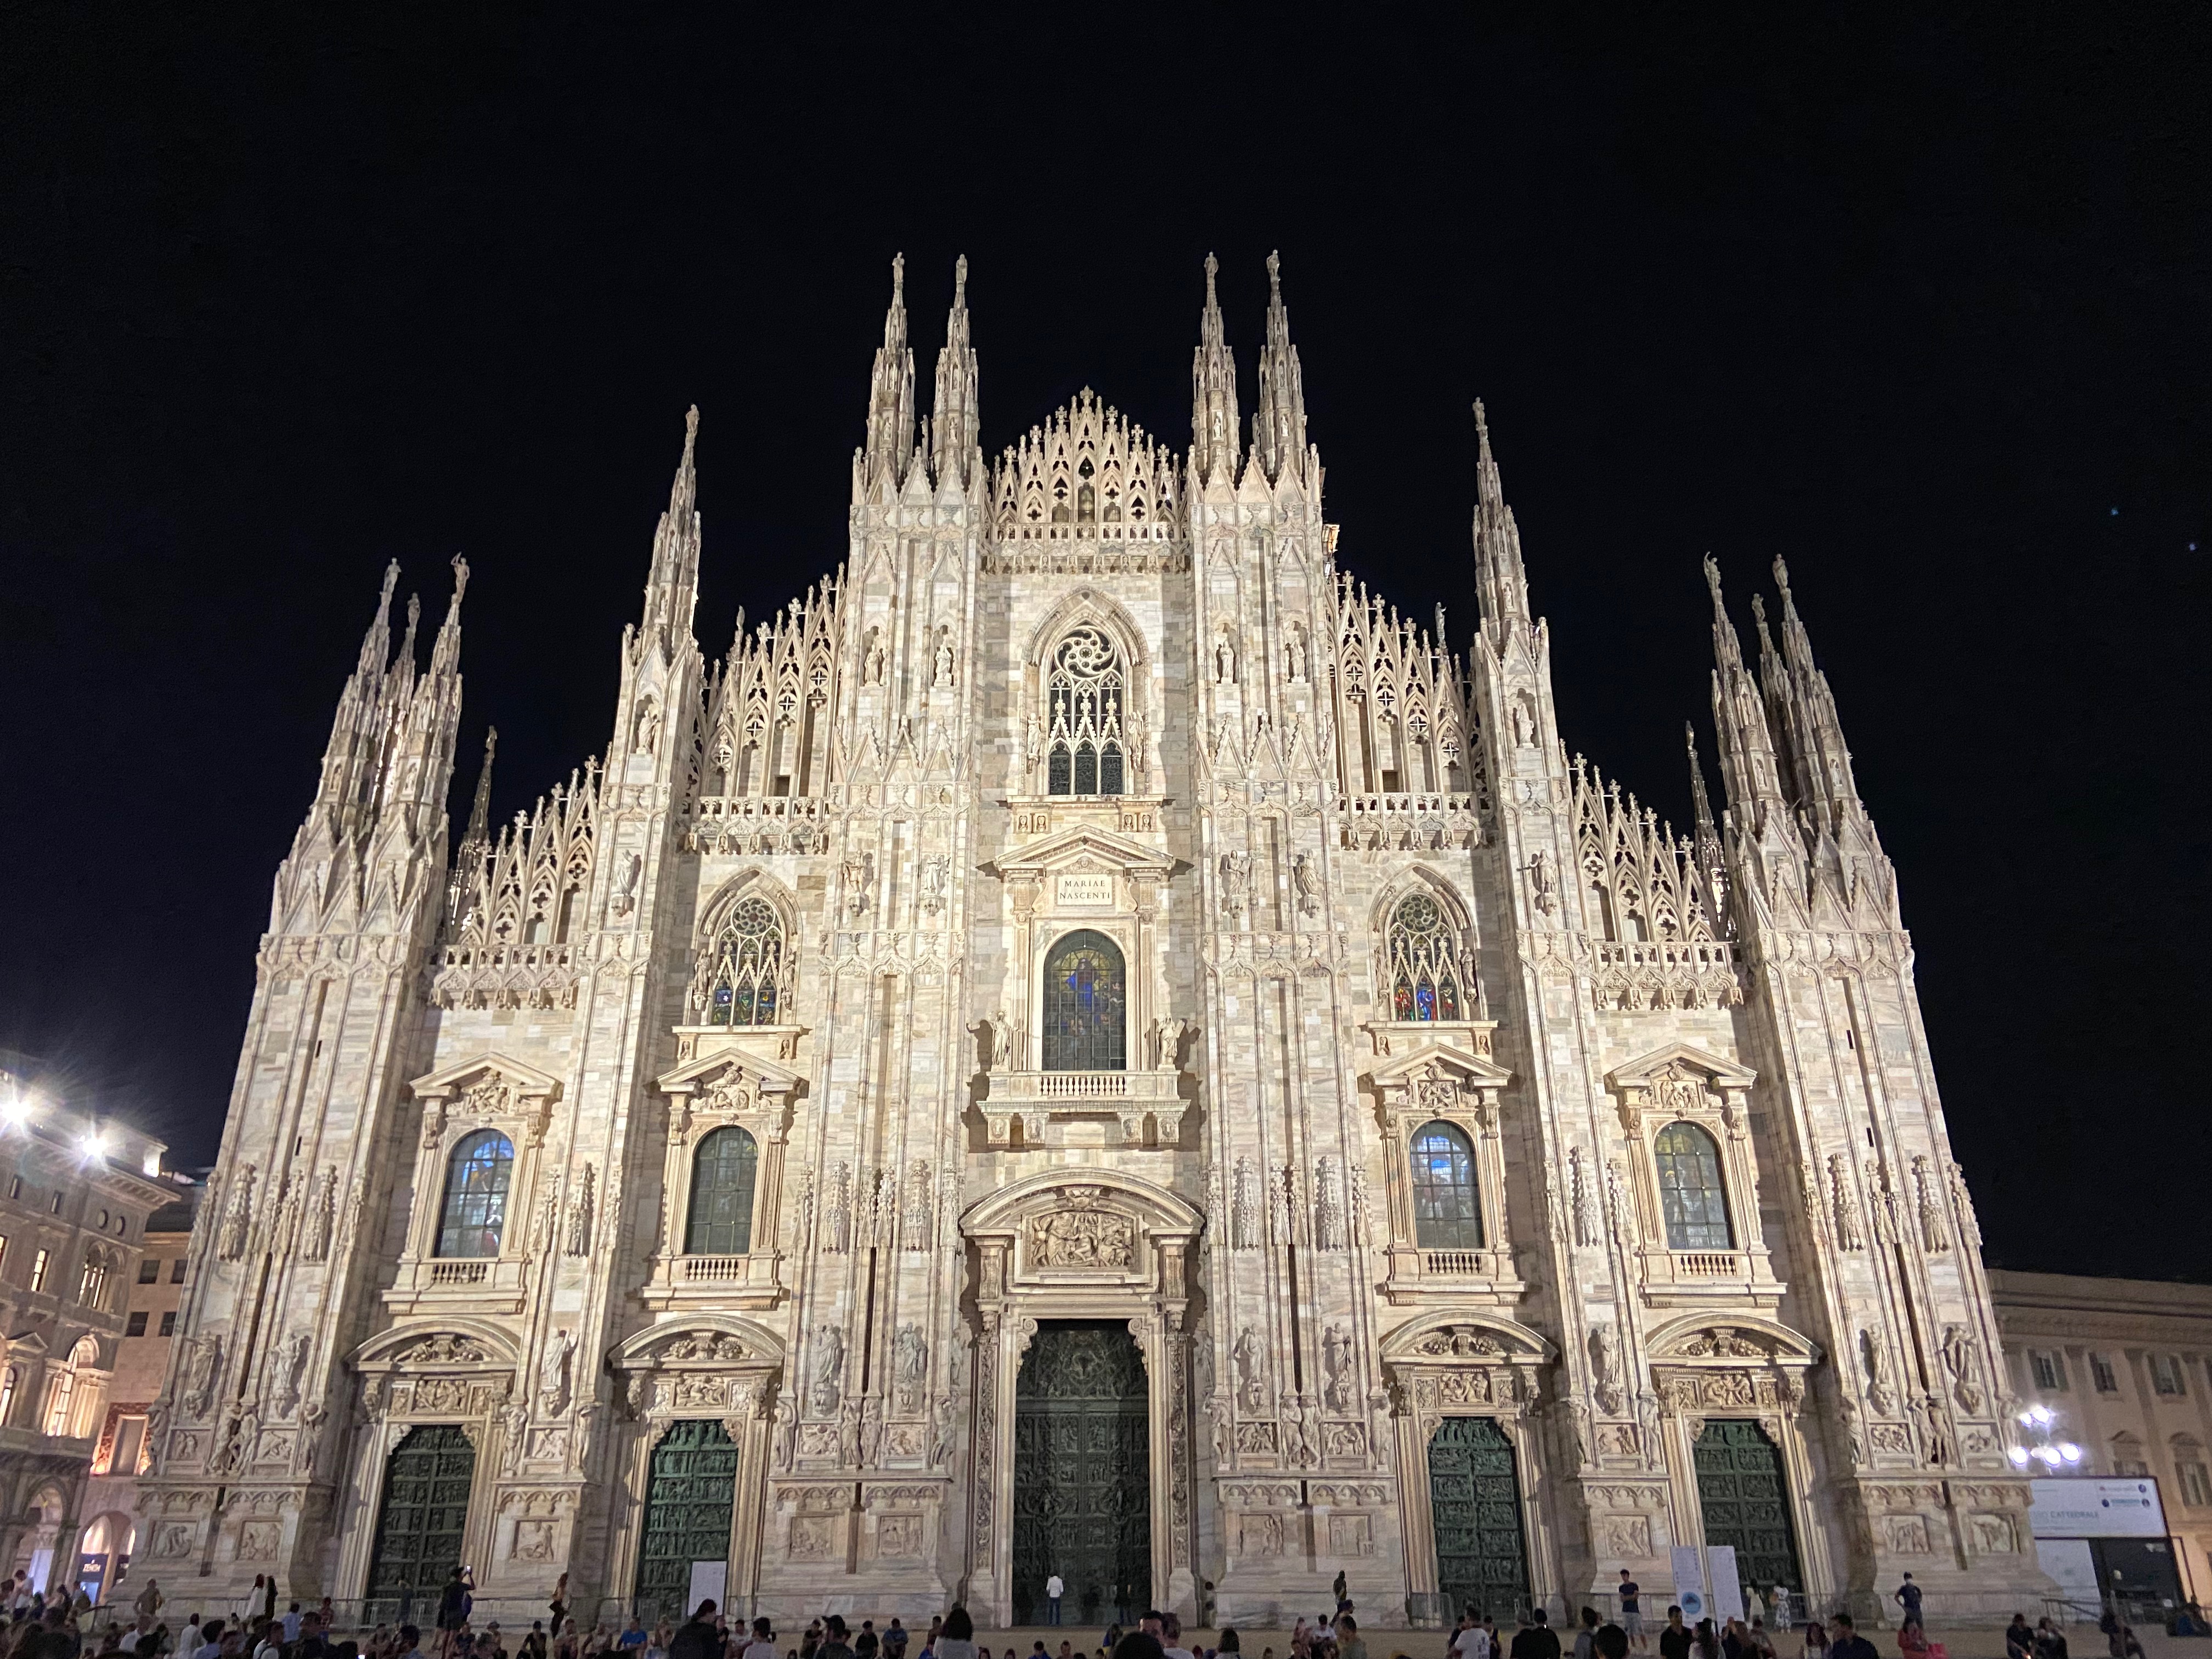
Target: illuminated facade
(1087, 1043)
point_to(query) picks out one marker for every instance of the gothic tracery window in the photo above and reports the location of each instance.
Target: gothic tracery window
(1424, 972)
(747, 968)
(1691, 1196)
(1086, 684)
(1085, 998)
(721, 1218)
(1447, 1211)
(474, 1213)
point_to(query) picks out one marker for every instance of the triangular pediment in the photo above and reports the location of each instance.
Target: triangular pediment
(1066, 848)
(1447, 1059)
(765, 1076)
(1649, 1067)
(528, 1080)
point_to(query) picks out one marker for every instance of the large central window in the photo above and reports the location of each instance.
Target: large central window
(1083, 748)
(475, 1211)
(1424, 981)
(1085, 1004)
(1691, 1196)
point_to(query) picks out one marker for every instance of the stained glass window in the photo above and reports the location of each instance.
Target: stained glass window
(749, 963)
(1425, 979)
(1083, 745)
(1691, 1194)
(722, 1217)
(1447, 1210)
(1085, 995)
(475, 1211)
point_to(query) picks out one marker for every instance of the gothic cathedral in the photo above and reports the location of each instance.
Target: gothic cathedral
(1088, 1044)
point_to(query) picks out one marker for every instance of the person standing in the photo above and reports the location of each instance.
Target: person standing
(1846, 1643)
(1908, 1597)
(1348, 1644)
(1632, 1609)
(698, 1639)
(1586, 1637)
(763, 1646)
(1342, 1587)
(1536, 1639)
(1053, 1590)
(1675, 1640)
(149, 1600)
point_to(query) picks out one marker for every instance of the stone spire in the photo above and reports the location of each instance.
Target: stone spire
(956, 423)
(1501, 581)
(672, 590)
(469, 859)
(1213, 394)
(1747, 747)
(890, 397)
(1799, 691)
(1710, 853)
(1279, 426)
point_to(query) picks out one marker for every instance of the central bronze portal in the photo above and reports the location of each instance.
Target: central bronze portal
(1082, 1473)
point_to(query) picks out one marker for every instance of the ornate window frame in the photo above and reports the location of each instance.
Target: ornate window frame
(1443, 1082)
(1466, 1361)
(1683, 1083)
(1031, 773)
(726, 1088)
(779, 1040)
(1080, 878)
(488, 1090)
(1471, 1028)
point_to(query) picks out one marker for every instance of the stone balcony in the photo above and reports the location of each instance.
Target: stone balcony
(1079, 1108)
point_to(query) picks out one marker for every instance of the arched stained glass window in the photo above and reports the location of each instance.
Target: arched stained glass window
(720, 1221)
(748, 965)
(1447, 1203)
(1084, 684)
(1425, 976)
(1085, 998)
(1691, 1194)
(474, 1214)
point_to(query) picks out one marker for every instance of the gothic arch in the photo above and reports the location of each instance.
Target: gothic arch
(1421, 879)
(706, 957)
(1087, 605)
(747, 883)
(1460, 934)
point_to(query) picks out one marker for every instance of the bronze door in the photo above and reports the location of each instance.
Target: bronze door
(1746, 1503)
(1474, 1502)
(1082, 1472)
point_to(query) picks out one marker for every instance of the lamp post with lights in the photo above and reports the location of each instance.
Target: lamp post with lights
(2036, 1425)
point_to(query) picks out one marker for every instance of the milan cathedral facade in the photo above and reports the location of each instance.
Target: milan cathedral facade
(1086, 1044)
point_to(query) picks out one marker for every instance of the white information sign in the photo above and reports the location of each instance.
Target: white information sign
(709, 1579)
(1087, 888)
(1689, 1582)
(2084, 1507)
(1727, 1589)
(2074, 1569)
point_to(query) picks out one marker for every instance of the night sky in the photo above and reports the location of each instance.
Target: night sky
(1923, 307)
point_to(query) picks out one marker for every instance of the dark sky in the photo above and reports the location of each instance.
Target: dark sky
(1921, 305)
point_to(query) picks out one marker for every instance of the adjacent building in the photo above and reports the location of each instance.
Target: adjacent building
(1087, 1042)
(75, 1195)
(2116, 1375)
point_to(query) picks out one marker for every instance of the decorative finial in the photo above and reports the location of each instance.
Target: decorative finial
(1213, 264)
(691, 423)
(390, 580)
(1275, 277)
(1481, 425)
(1690, 736)
(960, 279)
(1782, 576)
(1713, 577)
(413, 610)
(898, 278)
(460, 577)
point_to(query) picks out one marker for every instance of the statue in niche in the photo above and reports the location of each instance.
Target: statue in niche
(1336, 1367)
(910, 1355)
(1305, 877)
(291, 1359)
(1225, 660)
(1251, 1385)
(1961, 1359)
(648, 728)
(1001, 1044)
(553, 1374)
(238, 1221)
(1294, 655)
(828, 1370)
(1235, 881)
(873, 665)
(201, 1371)
(943, 656)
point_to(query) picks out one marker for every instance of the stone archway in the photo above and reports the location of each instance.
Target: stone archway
(1081, 1245)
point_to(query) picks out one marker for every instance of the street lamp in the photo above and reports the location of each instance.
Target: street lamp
(2036, 1424)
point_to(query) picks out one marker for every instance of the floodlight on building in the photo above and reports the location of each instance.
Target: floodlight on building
(2019, 1455)
(15, 1105)
(94, 1144)
(2069, 1451)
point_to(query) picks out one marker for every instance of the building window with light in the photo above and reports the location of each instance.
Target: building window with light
(746, 975)
(1085, 688)
(8, 1380)
(39, 1270)
(1422, 947)
(474, 1210)
(1447, 1207)
(92, 1290)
